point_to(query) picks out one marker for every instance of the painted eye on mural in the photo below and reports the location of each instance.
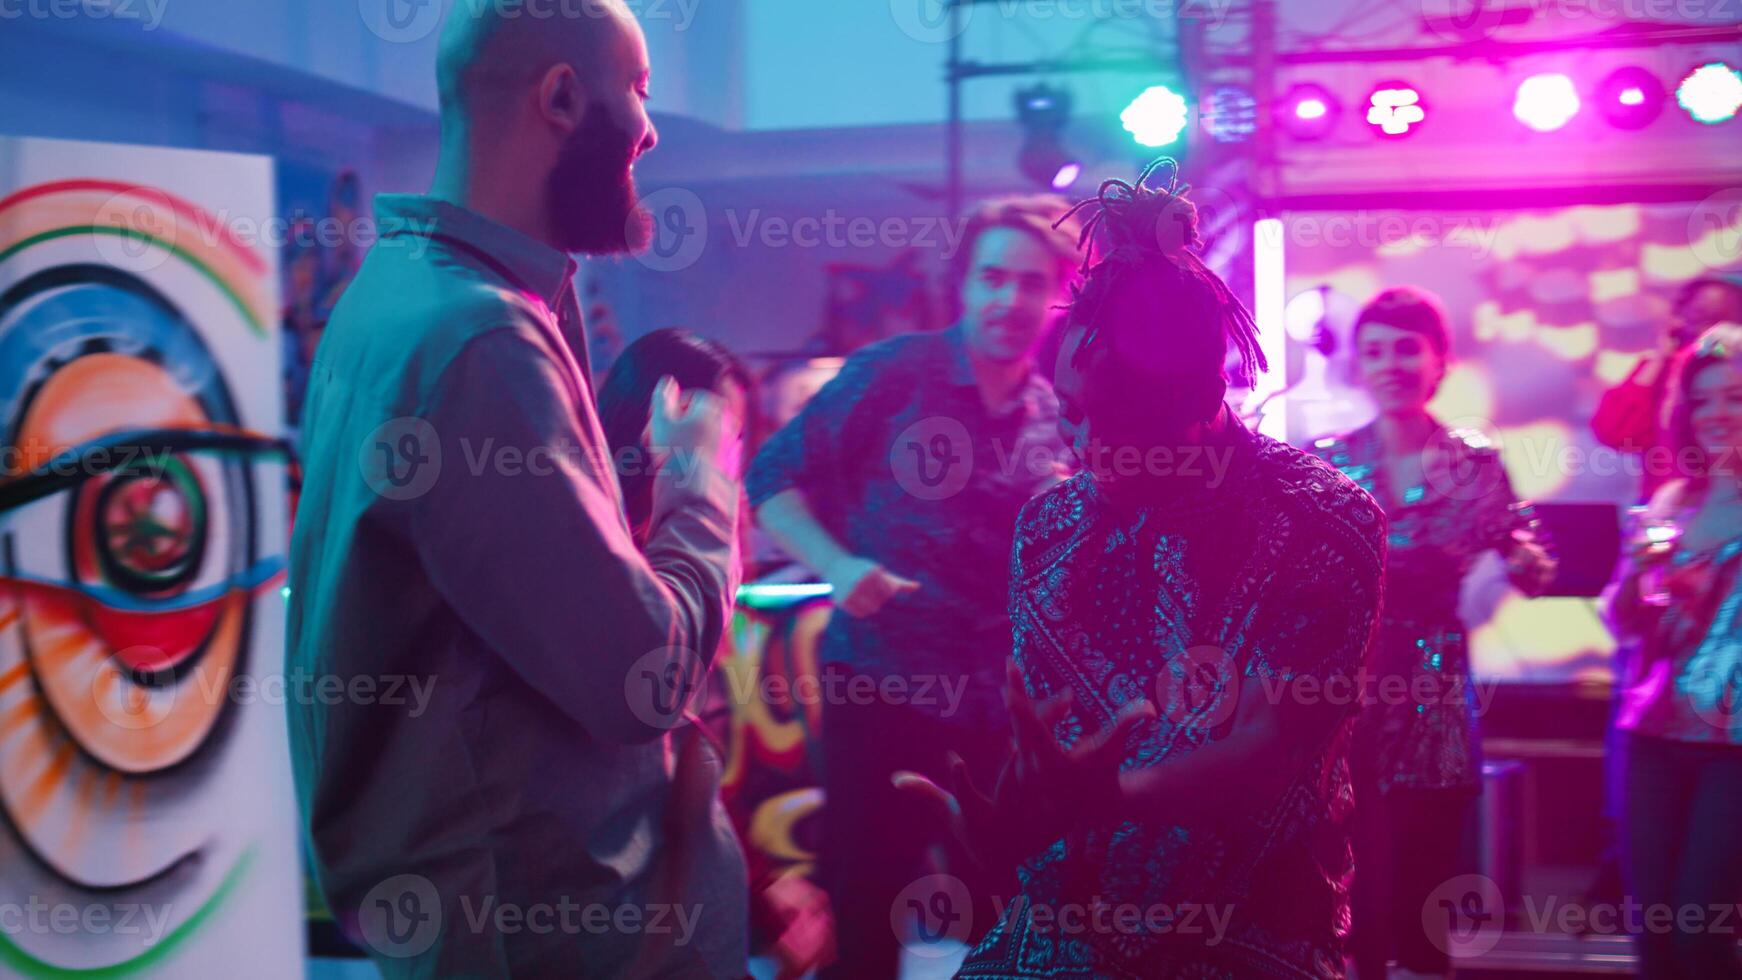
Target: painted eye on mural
(132, 563)
(148, 526)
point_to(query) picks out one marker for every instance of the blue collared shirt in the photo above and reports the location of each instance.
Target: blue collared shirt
(899, 458)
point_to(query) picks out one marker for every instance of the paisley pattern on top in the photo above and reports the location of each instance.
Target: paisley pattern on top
(1244, 586)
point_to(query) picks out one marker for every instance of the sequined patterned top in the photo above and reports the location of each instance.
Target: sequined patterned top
(1418, 728)
(1271, 576)
(1687, 685)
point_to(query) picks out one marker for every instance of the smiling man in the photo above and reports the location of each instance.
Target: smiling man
(900, 483)
(460, 524)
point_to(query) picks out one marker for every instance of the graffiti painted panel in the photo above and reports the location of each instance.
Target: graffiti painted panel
(146, 820)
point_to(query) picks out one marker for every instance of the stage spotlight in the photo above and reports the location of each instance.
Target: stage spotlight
(1546, 103)
(1711, 93)
(1308, 112)
(1157, 117)
(1396, 109)
(1631, 98)
(1043, 111)
(1048, 165)
(1232, 114)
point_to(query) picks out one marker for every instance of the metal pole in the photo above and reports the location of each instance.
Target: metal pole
(1266, 172)
(953, 128)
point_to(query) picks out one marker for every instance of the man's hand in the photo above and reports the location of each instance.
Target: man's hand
(862, 587)
(695, 424)
(971, 816)
(1043, 790)
(1086, 775)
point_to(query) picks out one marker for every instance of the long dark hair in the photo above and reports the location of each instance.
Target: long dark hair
(1163, 317)
(626, 399)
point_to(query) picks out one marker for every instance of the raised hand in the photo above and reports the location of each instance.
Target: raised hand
(695, 423)
(1531, 567)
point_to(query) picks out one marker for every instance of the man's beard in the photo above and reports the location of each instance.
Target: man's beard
(594, 207)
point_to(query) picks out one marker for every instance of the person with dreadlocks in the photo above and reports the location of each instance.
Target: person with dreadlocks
(1186, 641)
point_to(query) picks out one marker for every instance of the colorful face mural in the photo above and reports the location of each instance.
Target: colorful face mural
(141, 542)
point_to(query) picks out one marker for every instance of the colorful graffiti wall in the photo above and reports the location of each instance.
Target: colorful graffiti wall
(147, 826)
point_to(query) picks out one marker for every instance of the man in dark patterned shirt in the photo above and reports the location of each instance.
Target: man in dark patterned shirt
(1191, 612)
(900, 483)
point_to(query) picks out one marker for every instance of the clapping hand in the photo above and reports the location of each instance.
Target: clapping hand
(1084, 777)
(1043, 789)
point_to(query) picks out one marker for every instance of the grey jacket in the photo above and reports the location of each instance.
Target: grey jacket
(487, 740)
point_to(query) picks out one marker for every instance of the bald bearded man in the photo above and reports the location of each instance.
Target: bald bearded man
(493, 767)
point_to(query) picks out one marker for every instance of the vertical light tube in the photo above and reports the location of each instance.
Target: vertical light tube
(1269, 288)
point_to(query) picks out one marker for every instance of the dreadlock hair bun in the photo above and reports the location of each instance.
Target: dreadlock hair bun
(1166, 224)
(1135, 223)
(1156, 322)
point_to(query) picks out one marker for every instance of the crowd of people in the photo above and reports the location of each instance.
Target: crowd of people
(1150, 604)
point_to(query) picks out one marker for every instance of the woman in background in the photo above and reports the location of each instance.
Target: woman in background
(1677, 595)
(788, 909)
(1415, 755)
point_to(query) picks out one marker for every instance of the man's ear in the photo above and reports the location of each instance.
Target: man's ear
(562, 97)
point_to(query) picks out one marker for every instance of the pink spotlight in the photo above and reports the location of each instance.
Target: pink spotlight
(1308, 111)
(1395, 109)
(1545, 103)
(1631, 96)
